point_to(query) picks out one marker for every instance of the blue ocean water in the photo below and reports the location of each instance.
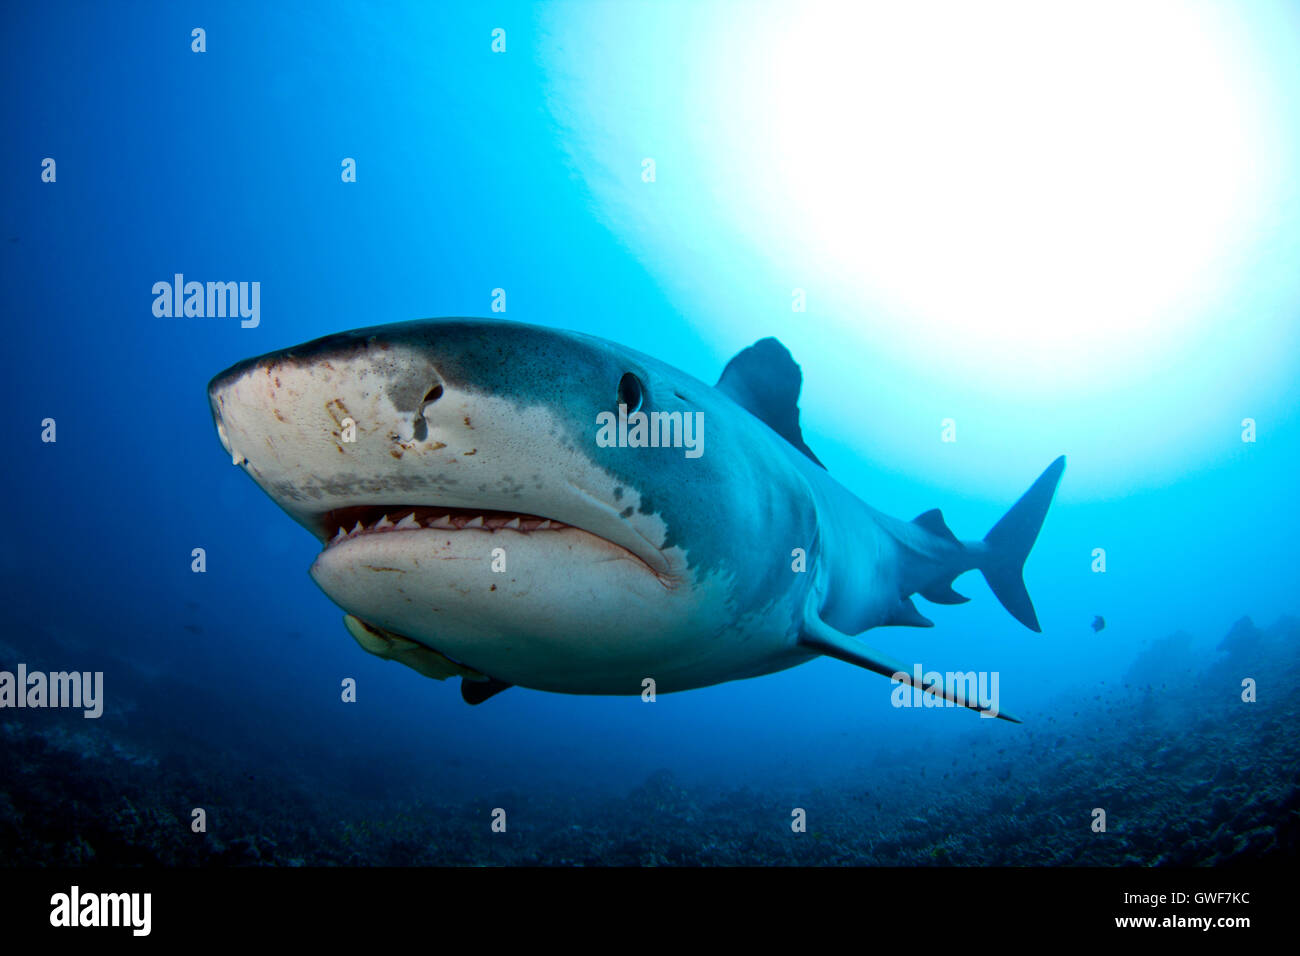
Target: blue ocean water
(522, 170)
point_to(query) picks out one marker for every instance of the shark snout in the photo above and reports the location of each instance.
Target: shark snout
(349, 422)
(357, 434)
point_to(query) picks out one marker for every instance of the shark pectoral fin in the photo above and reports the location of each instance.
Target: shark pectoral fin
(821, 637)
(474, 687)
(476, 691)
(394, 647)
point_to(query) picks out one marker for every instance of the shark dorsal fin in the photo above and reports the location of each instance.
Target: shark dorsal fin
(765, 381)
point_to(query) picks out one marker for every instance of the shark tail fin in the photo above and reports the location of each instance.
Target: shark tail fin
(1010, 541)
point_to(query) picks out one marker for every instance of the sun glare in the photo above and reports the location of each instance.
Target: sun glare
(1007, 179)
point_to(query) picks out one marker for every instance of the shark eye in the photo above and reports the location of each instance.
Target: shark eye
(630, 392)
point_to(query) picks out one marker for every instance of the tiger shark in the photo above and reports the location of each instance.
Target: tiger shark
(482, 516)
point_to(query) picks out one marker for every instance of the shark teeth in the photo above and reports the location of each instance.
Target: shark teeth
(415, 518)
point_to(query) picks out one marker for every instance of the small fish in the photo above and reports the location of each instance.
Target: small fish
(1098, 623)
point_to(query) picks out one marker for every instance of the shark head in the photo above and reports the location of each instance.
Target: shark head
(457, 476)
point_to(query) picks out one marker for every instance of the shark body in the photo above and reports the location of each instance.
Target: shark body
(474, 526)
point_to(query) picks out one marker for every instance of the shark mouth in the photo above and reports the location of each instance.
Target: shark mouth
(343, 524)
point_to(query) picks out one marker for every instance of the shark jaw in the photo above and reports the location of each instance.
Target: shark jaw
(511, 595)
(367, 521)
(361, 520)
(487, 538)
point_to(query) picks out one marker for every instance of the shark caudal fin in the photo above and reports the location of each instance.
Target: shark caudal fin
(1010, 541)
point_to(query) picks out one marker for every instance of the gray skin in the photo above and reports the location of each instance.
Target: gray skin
(677, 569)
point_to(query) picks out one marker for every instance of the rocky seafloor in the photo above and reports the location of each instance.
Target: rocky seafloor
(1187, 773)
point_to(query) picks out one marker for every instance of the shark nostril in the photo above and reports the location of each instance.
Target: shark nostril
(420, 425)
